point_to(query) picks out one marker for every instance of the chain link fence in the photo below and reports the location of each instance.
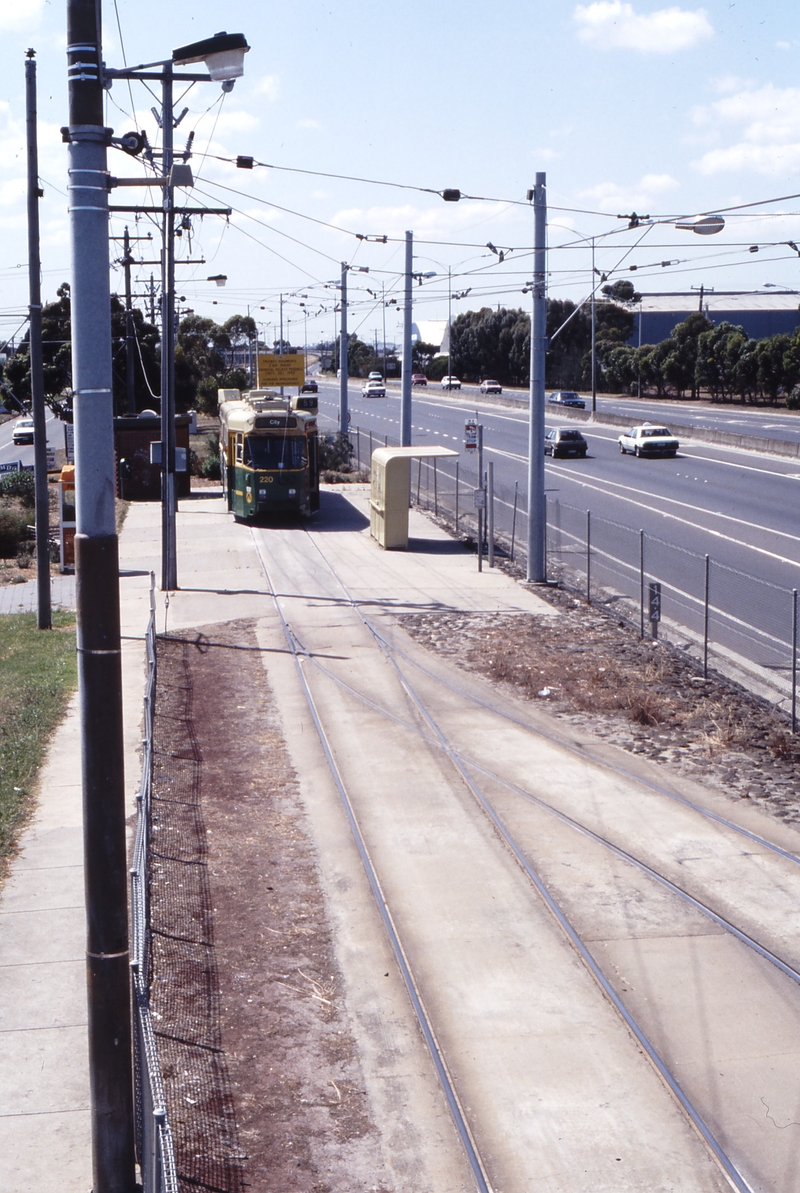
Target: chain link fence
(744, 620)
(154, 1143)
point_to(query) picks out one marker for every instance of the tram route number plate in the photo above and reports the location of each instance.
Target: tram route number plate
(471, 435)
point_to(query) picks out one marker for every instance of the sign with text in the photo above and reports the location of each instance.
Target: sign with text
(280, 370)
(655, 603)
(11, 466)
(471, 435)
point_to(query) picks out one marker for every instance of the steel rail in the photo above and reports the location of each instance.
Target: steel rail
(727, 1166)
(437, 1054)
(715, 916)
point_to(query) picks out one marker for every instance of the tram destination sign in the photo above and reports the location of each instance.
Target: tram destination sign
(280, 370)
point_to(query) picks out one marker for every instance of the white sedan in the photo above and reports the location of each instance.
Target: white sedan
(374, 389)
(648, 440)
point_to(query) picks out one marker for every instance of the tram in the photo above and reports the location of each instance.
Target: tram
(268, 453)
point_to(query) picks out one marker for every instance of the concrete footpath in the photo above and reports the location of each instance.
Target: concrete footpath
(44, 1089)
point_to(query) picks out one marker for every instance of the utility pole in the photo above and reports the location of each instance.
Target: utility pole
(44, 617)
(169, 546)
(594, 335)
(383, 309)
(97, 598)
(130, 390)
(405, 382)
(344, 416)
(537, 513)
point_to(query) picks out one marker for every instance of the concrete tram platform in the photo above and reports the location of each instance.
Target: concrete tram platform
(44, 1085)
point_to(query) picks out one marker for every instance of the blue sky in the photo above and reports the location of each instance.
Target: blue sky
(666, 110)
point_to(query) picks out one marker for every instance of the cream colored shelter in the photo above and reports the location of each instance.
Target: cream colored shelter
(391, 486)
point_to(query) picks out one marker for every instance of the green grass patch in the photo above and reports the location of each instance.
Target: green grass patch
(38, 673)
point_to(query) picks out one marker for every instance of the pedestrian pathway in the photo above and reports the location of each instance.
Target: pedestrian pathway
(23, 598)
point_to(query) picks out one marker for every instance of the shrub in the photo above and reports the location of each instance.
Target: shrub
(19, 484)
(209, 466)
(13, 532)
(335, 452)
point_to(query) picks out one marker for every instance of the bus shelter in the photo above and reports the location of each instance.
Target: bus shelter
(391, 488)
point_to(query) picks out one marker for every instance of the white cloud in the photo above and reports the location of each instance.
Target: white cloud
(309, 123)
(763, 127)
(614, 25)
(268, 85)
(22, 14)
(236, 122)
(610, 196)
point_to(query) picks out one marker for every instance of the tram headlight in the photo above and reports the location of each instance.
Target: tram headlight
(293, 492)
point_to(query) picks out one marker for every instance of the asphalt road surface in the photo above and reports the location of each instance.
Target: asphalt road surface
(24, 451)
(738, 507)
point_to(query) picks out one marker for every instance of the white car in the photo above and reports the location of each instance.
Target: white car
(374, 389)
(648, 440)
(23, 431)
(488, 386)
(451, 383)
(375, 377)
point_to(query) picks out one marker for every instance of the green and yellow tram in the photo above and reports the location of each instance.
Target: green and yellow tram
(268, 453)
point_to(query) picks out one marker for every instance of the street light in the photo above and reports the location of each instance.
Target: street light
(223, 56)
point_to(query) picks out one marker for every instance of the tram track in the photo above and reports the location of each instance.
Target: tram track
(464, 767)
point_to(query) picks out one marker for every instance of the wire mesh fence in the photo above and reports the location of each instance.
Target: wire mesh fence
(743, 618)
(154, 1142)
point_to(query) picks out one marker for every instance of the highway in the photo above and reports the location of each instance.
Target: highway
(24, 451)
(738, 507)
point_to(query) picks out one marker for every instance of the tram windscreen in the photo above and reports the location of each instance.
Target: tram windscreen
(270, 452)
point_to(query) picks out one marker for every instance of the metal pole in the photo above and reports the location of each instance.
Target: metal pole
(435, 490)
(456, 496)
(641, 584)
(344, 416)
(594, 339)
(44, 619)
(480, 540)
(130, 390)
(280, 344)
(358, 448)
(419, 478)
(490, 513)
(405, 380)
(794, 660)
(383, 308)
(169, 562)
(449, 322)
(705, 619)
(536, 500)
(97, 600)
(588, 557)
(514, 519)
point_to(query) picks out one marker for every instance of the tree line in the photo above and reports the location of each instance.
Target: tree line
(721, 360)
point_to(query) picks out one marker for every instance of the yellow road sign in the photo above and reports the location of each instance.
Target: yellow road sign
(280, 370)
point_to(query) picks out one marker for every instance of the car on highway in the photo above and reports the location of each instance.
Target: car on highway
(648, 440)
(374, 389)
(565, 441)
(566, 397)
(488, 386)
(376, 376)
(309, 386)
(419, 379)
(451, 383)
(23, 431)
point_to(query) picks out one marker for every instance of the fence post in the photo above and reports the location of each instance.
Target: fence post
(456, 496)
(419, 478)
(358, 448)
(588, 557)
(490, 513)
(435, 490)
(514, 521)
(705, 620)
(370, 449)
(480, 540)
(794, 660)
(641, 584)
